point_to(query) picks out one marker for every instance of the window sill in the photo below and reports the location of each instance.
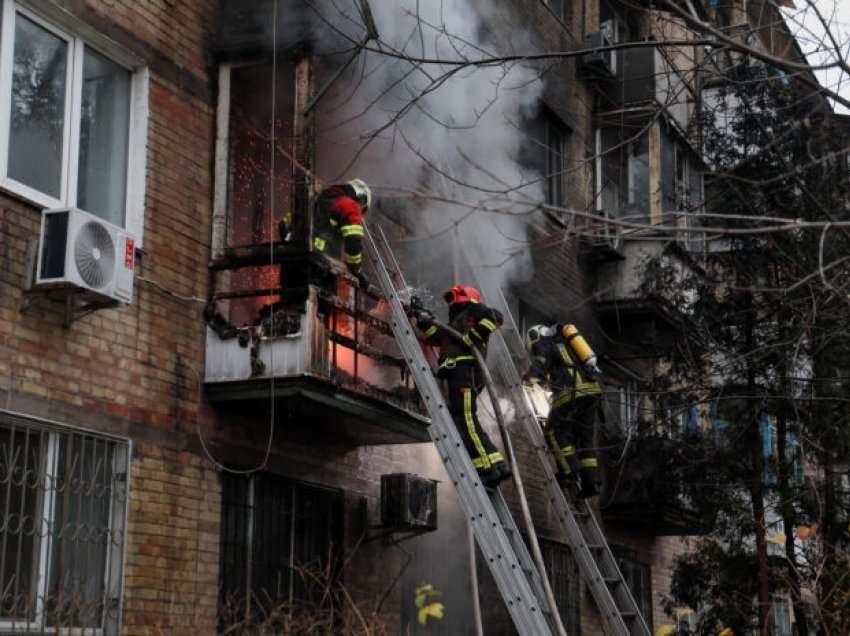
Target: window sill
(27, 195)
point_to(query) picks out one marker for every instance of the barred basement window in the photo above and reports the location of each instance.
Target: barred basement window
(63, 501)
(638, 578)
(566, 584)
(274, 532)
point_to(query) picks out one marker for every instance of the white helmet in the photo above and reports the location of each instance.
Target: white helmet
(534, 334)
(362, 193)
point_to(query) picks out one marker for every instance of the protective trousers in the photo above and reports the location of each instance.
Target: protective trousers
(570, 437)
(462, 406)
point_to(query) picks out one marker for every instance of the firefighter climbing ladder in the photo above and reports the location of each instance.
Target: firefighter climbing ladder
(598, 567)
(492, 523)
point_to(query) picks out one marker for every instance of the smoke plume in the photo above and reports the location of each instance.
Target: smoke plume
(455, 133)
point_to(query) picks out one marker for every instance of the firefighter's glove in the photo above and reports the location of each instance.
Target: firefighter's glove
(416, 305)
(424, 317)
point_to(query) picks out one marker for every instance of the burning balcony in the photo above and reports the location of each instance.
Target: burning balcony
(284, 322)
(318, 342)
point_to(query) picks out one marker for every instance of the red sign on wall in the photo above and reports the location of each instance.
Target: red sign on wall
(129, 254)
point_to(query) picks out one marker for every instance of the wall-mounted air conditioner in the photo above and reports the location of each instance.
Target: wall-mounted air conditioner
(597, 63)
(79, 251)
(408, 502)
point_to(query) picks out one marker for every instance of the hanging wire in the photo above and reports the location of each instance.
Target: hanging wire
(272, 149)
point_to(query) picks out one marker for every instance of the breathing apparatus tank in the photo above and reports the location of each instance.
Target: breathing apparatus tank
(579, 345)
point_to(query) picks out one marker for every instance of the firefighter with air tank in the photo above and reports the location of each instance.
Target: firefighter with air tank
(561, 357)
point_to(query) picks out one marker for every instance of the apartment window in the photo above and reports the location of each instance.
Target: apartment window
(566, 583)
(628, 404)
(638, 179)
(546, 155)
(610, 161)
(622, 175)
(274, 532)
(68, 121)
(681, 180)
(794, 457)
(638, 577)
(613, 27)
(63, 497)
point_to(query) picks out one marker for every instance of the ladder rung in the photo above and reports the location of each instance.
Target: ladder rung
(628, 614)
(611, 580)
(597, 547)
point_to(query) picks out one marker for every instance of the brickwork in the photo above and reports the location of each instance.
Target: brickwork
(134, 370)
(171, 573)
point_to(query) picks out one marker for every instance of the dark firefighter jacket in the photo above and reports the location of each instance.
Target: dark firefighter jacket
(551, 359)
(339, 216)
(475, 322)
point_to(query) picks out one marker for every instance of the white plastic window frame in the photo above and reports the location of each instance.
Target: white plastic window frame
(628, 392)
(134, 204)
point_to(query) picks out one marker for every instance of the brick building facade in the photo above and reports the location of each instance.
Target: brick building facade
(107, 411)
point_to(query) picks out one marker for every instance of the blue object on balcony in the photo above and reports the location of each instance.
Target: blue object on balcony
(693, 420)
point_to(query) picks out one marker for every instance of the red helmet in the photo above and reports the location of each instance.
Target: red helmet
(461, 294)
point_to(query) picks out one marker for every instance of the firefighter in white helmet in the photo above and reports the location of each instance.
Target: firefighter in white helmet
(338, 218)
(561, 356)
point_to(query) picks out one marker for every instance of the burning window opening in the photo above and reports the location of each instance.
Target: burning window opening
(270, 286)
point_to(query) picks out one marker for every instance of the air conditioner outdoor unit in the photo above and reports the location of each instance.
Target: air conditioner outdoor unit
(79, 251)
(408, 502)
(597, 63)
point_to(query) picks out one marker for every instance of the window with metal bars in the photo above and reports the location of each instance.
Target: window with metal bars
(638, 577)
(281, 545)
(63, 502)
(566, 584)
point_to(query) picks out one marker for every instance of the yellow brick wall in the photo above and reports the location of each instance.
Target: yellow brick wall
(171, 573)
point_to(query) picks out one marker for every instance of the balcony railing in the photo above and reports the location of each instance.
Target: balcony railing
(320, 337)
(644, 487)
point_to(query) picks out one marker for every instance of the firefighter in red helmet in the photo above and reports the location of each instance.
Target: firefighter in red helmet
(338, 220)
(470, 317)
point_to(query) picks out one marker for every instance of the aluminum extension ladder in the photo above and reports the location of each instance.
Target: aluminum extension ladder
(620, 612)
(492, 523)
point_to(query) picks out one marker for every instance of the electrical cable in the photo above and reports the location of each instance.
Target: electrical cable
(173, 294)
(265, 461)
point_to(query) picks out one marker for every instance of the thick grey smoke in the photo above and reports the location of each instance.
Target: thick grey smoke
(408, 127)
